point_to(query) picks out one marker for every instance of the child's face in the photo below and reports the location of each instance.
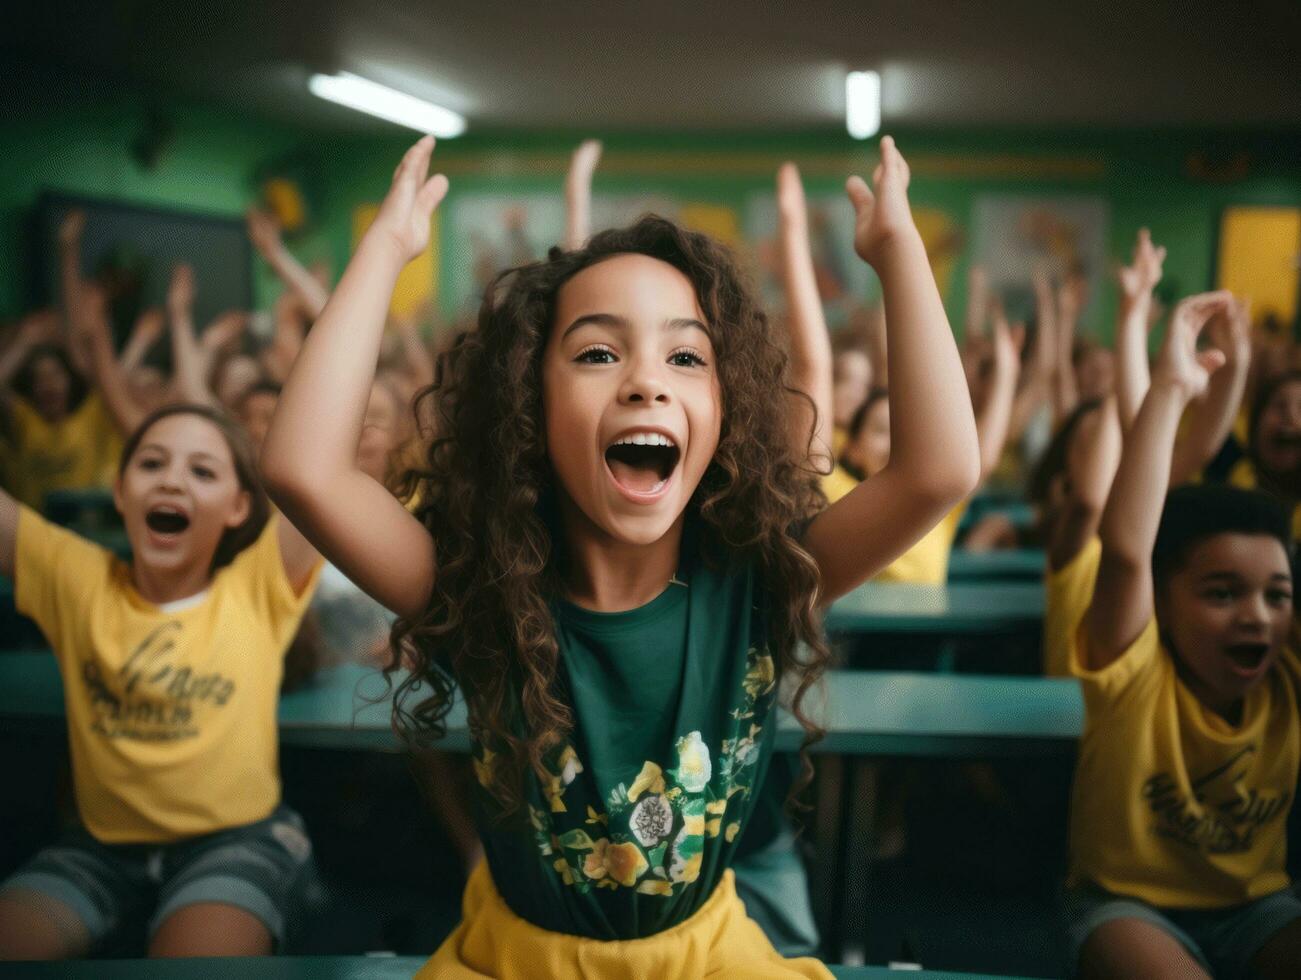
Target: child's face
(871, 446)
(179, 493)
(852, 383)
(1278, 432)
(378, 432)
(629, 358)
(255, 413)
(51, 388)
(1227, 612)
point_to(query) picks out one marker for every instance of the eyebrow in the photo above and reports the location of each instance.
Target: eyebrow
(614, 321)
(163, 449)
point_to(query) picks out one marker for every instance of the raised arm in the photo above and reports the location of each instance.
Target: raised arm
(578, 193)
(71, 228)
(92, 337)
(994, 416)
(144, 334)
(1211, 418)
(1123, 601)
(1137, 281)
(1035, 382)
(934, 457)
(265, 236)
(1065, 394)
(309, 457)
(416, 356)
(810, 344)
(189, 374)
(1091, 461)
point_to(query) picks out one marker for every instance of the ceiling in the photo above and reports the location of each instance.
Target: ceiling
(682, 65)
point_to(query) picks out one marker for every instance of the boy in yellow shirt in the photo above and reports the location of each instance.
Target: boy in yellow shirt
(1190, 754)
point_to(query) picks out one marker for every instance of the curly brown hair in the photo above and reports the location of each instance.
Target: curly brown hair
(486, 492)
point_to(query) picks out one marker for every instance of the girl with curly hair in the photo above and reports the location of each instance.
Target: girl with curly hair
(617, 557)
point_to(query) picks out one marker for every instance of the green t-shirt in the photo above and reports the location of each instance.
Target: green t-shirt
(673, 727)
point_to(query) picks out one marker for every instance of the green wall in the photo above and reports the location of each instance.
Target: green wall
(1144, 176)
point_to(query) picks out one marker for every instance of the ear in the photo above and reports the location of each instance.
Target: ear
(243, 507)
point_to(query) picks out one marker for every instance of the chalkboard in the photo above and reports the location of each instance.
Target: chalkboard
(143, 243)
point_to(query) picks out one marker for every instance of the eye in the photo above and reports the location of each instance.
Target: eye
(687, 357)
(1218, 594)
(150, 463)
(596, 354)
(203, 473)
(1279, 597)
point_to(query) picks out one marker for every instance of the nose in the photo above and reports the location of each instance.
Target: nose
(1253, 612)
(643, 383)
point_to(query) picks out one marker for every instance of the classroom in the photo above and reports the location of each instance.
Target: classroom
(575, 490)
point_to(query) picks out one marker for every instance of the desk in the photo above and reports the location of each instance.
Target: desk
(963, 608)
(331, 968)
(1000, 565)
(950, 716)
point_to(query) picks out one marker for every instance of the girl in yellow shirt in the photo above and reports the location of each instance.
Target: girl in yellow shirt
(171, 668)
(1189, 759)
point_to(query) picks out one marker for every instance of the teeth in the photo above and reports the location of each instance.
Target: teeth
(644, 439)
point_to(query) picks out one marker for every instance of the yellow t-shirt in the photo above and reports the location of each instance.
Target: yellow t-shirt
(1243, 476)
(926, 562)
(171, 715)
(1171, 804)
(79, 452)
(839, 437)
(1067, 595)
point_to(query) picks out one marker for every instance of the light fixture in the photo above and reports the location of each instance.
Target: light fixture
(364, 95)
(862, 104)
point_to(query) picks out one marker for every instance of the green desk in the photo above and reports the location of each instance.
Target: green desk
(866, 713)
(331, 968)
(963, 608)
(1006, 565)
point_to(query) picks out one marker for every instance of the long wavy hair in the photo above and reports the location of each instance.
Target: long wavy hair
(486, 491)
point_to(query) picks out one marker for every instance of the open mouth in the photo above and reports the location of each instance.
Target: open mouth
(1247, 656)
(643, 462)
(166, 520)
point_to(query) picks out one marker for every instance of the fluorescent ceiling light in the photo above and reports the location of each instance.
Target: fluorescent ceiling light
(406, 110)
(862, 104)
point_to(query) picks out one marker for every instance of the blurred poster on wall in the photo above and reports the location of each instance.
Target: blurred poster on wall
(1013, 234)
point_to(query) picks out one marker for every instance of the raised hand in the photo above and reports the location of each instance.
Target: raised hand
(40, 327)
(224, 331)
(1230, 331)
(263, 231)
(72, 226)
(791, 205)
(180, 291)
(1140, 277)
(403, 220)
(883, 214)
(578, 193)
(1180, 364)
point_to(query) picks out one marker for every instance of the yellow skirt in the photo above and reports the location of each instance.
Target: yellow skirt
(718, 941)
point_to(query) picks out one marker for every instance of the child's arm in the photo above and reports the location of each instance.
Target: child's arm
(995, 415)
(578, 193)
(934, 456)
(1065, 394)
(1091, 462)
(70, 283)
(8, 534)
(91, 336)
(1137, 280)
(977, 302)
(309, 458)
(1210, 420)
(144, 334)
(1034, 387)
(1122, 598)
(265, 236)
(810, 344)
(419, 362)
(189, 377)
